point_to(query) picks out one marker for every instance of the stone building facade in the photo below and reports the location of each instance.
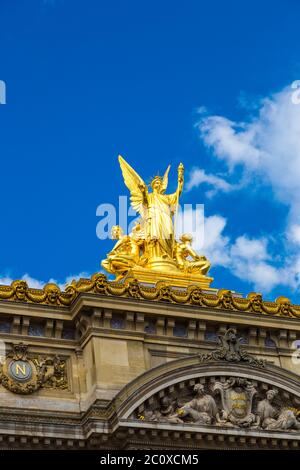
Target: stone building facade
(108, 365)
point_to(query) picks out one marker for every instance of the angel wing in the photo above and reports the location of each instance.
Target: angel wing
(132, 181)
(165, 179)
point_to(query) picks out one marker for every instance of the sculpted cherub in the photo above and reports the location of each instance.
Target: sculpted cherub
(20, 288)
(225, 298)
(285, 306)
(184, 250)
(256, 302)
(124, 255)
(52, 292)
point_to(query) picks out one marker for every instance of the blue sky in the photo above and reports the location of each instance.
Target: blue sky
(206, 83)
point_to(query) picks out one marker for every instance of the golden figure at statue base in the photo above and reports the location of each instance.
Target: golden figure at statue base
(125, 254)
(150, 253)
(183, 251)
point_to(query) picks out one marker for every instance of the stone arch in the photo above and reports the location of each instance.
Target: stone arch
(190, 369)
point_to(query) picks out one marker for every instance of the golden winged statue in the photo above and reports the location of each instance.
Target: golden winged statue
(151, 247)
(156, 210)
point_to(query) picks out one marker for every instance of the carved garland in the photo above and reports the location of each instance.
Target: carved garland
(99, 284)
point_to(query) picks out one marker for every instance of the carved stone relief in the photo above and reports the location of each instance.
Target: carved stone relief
(224, 402)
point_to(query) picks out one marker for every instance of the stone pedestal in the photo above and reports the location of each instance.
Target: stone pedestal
(174, 278)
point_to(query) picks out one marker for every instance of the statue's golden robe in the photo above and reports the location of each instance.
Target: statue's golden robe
(159, 223)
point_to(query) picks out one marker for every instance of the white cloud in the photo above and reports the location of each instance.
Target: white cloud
(5, 280)
(250, 249)
(262, 275)
(37, 284)
(230, 141)
(250, 261)
(216, 244)
(266, 146)
(199, 176)
(293, 234)
(34, 283)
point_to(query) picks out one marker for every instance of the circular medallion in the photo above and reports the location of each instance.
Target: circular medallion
(21, 371)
